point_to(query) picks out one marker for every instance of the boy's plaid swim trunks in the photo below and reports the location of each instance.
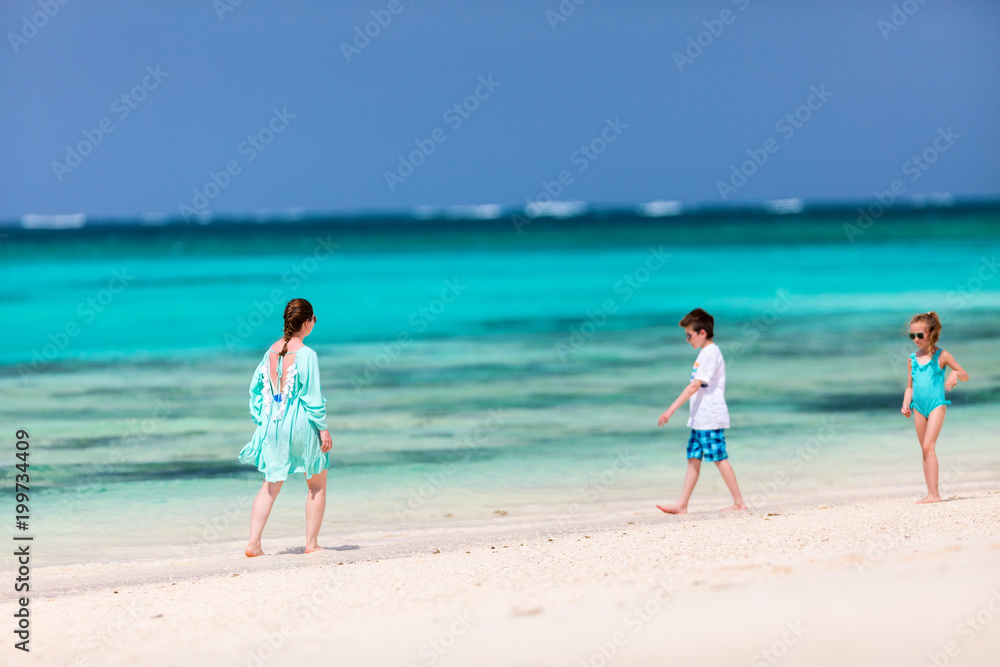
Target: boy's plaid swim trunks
(710, 444)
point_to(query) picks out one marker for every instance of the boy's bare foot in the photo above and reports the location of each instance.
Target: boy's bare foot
(734, 507)
(312, 547)
(672, 509)
(253, 551)
(929, 499)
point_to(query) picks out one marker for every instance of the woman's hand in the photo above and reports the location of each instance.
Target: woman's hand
(906, 411)
(325, 441)
(951, 381)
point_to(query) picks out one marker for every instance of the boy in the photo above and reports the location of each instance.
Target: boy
(709, 413)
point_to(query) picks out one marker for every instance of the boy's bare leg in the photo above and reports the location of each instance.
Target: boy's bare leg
(927, 431)
(258, 515)
(730, 478)
(690, 479)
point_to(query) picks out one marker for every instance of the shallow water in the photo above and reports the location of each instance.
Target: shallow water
(470, 370)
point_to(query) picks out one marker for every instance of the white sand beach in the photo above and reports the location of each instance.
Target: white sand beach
(866, 578)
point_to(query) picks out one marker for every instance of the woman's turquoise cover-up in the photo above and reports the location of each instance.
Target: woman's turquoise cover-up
(288, 422)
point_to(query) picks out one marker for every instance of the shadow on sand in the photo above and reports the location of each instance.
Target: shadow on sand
(302, 550)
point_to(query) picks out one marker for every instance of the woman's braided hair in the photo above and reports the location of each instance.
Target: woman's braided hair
(297, 313)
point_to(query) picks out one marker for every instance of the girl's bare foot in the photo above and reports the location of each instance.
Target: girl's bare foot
(673, 509)
(252, 551)
(734, 507)
(312, 547)
(929, 499)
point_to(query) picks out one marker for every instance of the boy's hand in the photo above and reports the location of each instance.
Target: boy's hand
(906, 411)
(951, 381)
(665, 417)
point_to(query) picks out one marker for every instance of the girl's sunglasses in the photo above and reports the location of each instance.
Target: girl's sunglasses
(917, 335)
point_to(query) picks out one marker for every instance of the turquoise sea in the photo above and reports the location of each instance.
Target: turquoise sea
(479, 366)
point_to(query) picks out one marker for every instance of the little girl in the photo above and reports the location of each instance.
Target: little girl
(925, 392)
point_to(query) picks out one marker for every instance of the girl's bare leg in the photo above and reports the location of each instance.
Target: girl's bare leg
(928, 430)
(258, 515)
(730, 478)
(690, 479)
(315, 506)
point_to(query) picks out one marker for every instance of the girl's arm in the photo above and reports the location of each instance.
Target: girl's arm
(908, 394)
(957, 372)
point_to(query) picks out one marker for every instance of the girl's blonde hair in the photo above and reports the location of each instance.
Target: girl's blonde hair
(933, 323)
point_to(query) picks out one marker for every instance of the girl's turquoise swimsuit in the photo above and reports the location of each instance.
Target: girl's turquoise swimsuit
(928, 384)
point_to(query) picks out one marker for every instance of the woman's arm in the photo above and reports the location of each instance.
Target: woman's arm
(957, 372)
(256, 396)
(313, 403)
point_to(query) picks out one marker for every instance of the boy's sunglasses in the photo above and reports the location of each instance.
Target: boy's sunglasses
(917, 335)
(688, 336)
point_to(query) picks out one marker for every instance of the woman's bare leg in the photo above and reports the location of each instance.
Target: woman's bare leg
(927, 431)
(315, 506)
(258, 515)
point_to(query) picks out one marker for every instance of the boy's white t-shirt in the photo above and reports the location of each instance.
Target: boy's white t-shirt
(708, 405)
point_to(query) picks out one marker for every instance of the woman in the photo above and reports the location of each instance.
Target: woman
(288, 407)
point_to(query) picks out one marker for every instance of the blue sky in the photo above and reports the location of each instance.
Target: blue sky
(598, 98)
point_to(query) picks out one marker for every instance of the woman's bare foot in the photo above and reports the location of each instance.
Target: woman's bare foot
(673, 509)
(252, 551)
(929, 499)
(734, 507)
(312, 547)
